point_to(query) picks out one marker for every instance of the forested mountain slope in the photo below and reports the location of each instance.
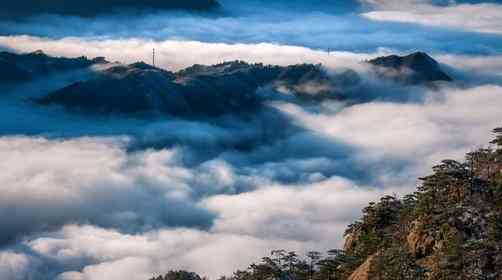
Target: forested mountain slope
(450, 228)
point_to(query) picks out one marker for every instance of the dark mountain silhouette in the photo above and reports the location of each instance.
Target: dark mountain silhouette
(201, 90)
(179, 275)
(20, 8)
(15, 68)
(12, 73)
(196, 91)
(415, 68)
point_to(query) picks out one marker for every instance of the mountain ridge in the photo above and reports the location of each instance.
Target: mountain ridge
(17, 68)
(417, 67)
(204, 90)
(228, 87)
(22, 8)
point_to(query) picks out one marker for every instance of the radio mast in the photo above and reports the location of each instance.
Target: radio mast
(153, 57)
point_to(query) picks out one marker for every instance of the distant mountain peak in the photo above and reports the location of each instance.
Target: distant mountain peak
(143, 66)
(423, 68)
(100, 60)
(18, 68)
(38, 52)
(407, 60)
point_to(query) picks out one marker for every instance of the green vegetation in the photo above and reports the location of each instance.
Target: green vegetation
(178, 275)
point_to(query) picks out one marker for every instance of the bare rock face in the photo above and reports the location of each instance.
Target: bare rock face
(420, 243)
(351, 241)
(363, 272)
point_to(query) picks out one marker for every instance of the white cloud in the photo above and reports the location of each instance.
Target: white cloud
(14, 266)
(175, 55)
(448, 124)
(482, 17)
(475, 69)
(394, 4)
(396, 142)
(318, 211)
(127, 268)
(102, 253)
(48, 183)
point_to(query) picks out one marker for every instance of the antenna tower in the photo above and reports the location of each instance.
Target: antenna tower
(153, 57)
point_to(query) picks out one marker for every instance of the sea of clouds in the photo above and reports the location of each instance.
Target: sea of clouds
(115, 197)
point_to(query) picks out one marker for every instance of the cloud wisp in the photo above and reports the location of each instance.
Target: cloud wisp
(479, 17)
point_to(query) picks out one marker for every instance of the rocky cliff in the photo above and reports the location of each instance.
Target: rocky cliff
(451, 228)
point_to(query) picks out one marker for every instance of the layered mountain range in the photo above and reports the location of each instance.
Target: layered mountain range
(201, 90)
(229, 87)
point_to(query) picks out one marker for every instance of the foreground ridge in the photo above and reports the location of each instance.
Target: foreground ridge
(450, 228)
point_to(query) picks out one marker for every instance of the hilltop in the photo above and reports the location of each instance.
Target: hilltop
(414, 68)
(19, 68)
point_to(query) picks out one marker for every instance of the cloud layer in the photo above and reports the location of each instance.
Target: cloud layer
(139, 233)
(313, 25)
(90, 198)
(480, 17)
